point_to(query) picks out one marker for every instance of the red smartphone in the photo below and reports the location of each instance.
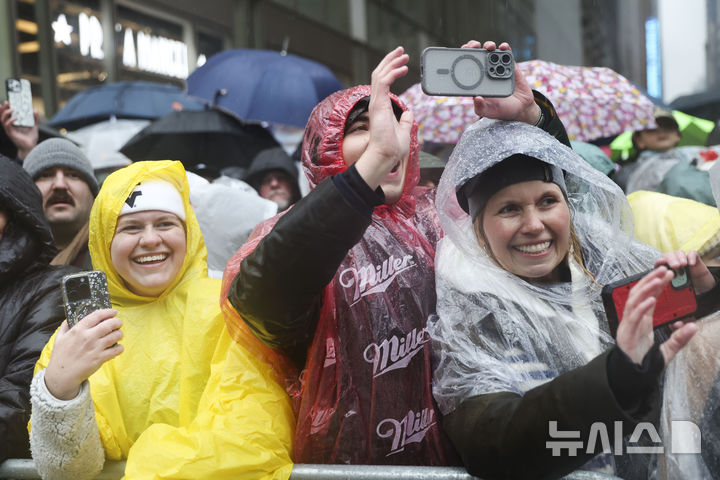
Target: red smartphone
(676, 301)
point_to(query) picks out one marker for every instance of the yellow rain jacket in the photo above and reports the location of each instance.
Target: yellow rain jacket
(184, 400)
(672, 223)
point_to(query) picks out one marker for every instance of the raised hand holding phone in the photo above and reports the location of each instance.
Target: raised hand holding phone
(89, 336)
(635, 333)
(79, 352)
(520, 106)
(24, 138)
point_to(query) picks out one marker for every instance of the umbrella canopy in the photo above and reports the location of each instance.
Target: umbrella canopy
(209, 137)
(263, 85)
(592, 102)
(140, 100)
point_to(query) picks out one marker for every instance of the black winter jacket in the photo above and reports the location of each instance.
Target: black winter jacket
(31, 306)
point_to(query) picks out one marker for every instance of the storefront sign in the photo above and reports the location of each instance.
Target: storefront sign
(141, 50)
(155, 54)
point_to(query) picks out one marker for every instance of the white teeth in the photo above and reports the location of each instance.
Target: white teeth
(537, 248)
(150, 258)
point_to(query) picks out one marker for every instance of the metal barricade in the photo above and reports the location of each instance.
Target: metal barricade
(25, 469)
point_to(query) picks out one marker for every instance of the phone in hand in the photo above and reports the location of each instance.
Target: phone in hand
(467, 72)
(83, 293)
(19, 97)
(675, 302)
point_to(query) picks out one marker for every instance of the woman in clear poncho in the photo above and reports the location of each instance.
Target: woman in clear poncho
(177, 397)
(521, 338)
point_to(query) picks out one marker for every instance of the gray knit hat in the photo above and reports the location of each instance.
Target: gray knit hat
(60, 152)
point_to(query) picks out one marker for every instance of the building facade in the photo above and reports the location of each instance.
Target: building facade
(65, 46)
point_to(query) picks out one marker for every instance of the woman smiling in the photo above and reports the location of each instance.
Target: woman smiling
(521, 339)
(156, 380)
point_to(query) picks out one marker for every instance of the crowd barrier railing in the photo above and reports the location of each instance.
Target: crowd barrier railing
(25, 469)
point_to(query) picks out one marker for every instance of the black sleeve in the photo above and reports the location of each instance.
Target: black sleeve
(40, 314)
(709, 302)
(504, 435)
(278, 290)
(551, 122)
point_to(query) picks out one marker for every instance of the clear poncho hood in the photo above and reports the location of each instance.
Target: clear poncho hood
(495, 331)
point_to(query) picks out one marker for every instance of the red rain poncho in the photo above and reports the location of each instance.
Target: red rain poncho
(365, 396)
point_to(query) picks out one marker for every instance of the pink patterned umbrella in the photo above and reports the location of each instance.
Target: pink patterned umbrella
(592, 102)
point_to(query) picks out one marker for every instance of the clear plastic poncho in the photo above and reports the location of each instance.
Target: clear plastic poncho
(691, 407)
(497, 332)
(183, 400)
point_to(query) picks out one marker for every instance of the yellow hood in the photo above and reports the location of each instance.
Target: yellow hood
(672, 223)
(104, 215)
(183, 400)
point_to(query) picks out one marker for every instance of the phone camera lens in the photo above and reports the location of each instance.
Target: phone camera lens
(494, 58)
(506, 59)
(500, 70)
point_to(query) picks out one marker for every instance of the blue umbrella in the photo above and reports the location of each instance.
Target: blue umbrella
(263, 85)
(142, 100)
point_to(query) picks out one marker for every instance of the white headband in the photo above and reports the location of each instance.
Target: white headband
(154, 195)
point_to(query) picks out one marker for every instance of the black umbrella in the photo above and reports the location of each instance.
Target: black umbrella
(211, 138)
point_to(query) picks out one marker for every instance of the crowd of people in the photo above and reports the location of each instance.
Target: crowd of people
(373, 321)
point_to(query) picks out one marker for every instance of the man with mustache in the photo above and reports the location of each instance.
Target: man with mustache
(68, 186)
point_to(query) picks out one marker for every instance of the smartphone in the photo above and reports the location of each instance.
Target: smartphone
(676, 301)
(19, 97)
(83, 293)
(467, 72)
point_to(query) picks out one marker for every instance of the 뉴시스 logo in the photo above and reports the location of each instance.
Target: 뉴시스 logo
(685, 438)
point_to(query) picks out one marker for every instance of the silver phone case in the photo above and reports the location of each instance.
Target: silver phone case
(20, 99)
(78, 307)
(467, 72)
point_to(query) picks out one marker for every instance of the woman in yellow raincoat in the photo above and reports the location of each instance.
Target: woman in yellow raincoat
(176, 397)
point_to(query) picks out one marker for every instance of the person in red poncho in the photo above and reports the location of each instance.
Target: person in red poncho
(343, 282)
